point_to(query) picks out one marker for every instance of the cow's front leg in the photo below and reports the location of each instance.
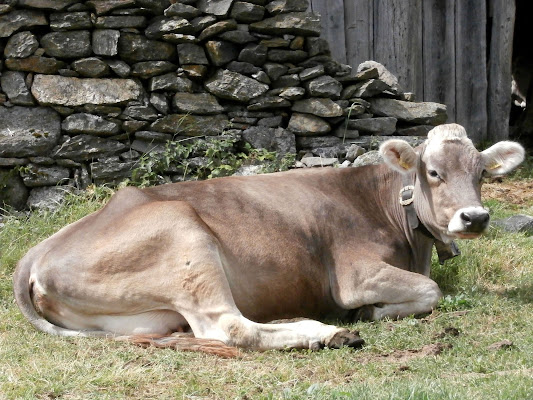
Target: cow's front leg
(378, 290)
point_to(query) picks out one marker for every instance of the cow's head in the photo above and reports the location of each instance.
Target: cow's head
(449, 173)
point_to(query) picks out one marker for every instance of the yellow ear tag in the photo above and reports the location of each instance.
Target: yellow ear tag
(403, 164)
(495, 165)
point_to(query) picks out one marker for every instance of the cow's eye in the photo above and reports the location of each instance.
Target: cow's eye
(434, 174)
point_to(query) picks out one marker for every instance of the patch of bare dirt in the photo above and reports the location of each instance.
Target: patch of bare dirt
(402, 356)
(514, 192)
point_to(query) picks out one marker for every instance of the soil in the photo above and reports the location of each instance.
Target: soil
(513, 192)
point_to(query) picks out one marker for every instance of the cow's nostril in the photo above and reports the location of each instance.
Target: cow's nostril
(475, 220)
(466, 218)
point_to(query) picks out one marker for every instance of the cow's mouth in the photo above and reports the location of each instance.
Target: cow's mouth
(466, 235)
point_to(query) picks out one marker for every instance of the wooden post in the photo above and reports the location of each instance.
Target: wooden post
(359, 21)
(332, 20)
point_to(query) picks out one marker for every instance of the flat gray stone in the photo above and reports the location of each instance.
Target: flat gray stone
(70, 21)
(189, 53)
(134, 48)
(48, 197)
(247, 12)
(383, 73)
(163, 26)
(219, 8)
(21, 45)
(221, 52)
(106, 6)
(426, 113)
(172, 82)
(91, 67)
(65, 91)
(13, 192)
(324, 86)
(87, 147)
(312, 162)
(182, 10)
(377, 126)
(70, 44)
(149, 69)
(120, 22)
(191, 125)
(297, 23)
(370, 158)
(197, 103)
(105, 42)
(19, 19)
(285, 6)
(14, 85)
(279, 140)
(35, 175)
(234, 86)
(516, 223)
(111, 170)
(83, 123)
(321, 107)
(28, 131)
(308, 125)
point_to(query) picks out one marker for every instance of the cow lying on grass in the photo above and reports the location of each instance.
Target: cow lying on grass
(222, 257)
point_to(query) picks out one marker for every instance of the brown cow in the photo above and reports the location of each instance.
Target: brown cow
(224, 256)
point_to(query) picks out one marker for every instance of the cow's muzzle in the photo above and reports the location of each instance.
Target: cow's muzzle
(469, 222)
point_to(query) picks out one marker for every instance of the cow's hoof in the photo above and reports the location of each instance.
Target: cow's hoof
(346, 339)
(364, 313)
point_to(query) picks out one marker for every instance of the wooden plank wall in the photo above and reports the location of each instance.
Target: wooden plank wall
(450, 51)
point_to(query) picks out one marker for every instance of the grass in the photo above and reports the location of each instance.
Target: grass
(446, 355)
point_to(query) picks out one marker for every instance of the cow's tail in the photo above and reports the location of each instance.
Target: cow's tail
(22, 288)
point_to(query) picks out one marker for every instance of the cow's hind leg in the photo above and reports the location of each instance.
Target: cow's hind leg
(380, 290)
(202, 295)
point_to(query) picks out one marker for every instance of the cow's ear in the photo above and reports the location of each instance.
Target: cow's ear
(503, 157)
(399, 155)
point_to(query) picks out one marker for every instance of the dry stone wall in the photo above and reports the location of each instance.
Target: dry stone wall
(88, 87)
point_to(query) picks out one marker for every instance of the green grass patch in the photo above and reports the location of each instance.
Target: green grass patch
(488, 295)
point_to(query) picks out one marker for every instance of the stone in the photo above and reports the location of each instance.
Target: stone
(285, 81)
(368, 88)
(141, 112)
(353, 152)
(271, 122)
(311, 162)
(87, 147)
(310, 143)
(297, 23)
(321, 107)
(278, 140)
(13, 83)
(182, 10)
(242, 67)
(197, 103)
(156, 6)
(285, 6)
(13, 162)
(200, 23)
(37, 64)
(106, 6)
(377, 126)
(21, 45)
(150, 136)
(145, 147)
(247, 12)
(275, 42)
(308, 125)
(370, 158)
(13, 192)
(275, 70)
(20, 19)
(91, 67)
(311, 73)
(70, 44)
(49, 197)
(238, 37)
(83, 123)
(191, 125)
(220, 8)
(28, 131)
(56, 5)
(254, 53)
(191, 54)
(70, 21)
(220, 52)
(286, 56)
(120, 22)
(64, 91)
(383, 73)
(345, 133)
(418, 130)
(109, 170)
(217, 28)
(516, 223)
(149, 69)
(316, 46)
(162, 26)
(426, 113)
(105, 42)
(171, 81)
(292, 93)
(268, 102)
(179, 38)
(324, 86)
(160, 102)
(234, 86)
(195, 71)
(35, 175)
(134, 48)
(119, 67)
